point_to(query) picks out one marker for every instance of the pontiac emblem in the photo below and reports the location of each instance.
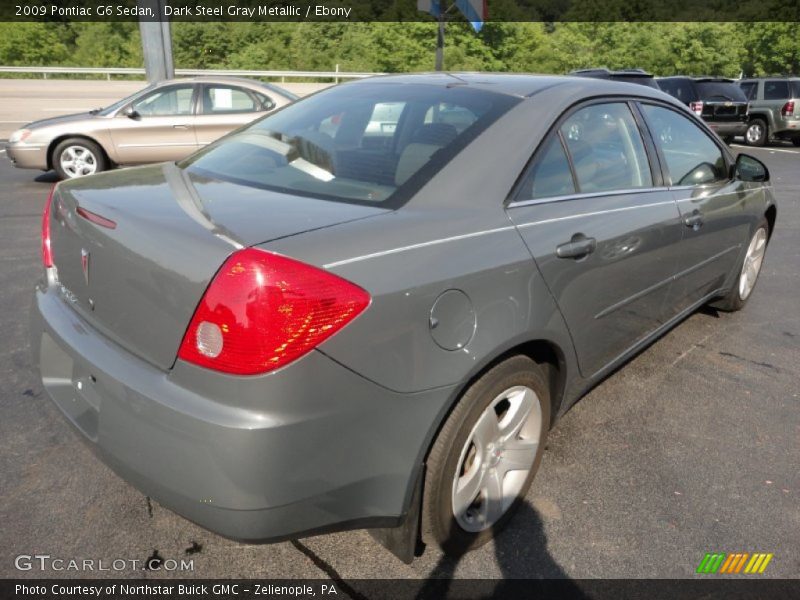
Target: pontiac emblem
(85, 264)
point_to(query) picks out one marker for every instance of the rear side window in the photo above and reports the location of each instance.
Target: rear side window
(550, 175)
(606, 148)
(749, 89)
(682, 89)
(691, 155)
(776, 90)
(221, 99)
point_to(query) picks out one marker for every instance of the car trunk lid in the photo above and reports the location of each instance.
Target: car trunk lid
(135, 250)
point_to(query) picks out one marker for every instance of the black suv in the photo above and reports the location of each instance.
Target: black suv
(639, 76)
(774, 109)
(719, 101)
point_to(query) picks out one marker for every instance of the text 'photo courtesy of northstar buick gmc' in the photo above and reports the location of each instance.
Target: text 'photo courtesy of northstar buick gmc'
(368, 309)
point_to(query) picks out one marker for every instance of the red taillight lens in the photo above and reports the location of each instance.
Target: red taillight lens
(47, 253)
(788, 108)
(264, 310)
(696, 108)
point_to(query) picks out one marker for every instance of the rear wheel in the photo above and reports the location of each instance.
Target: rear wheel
(486, 455)
(748, 271)
(756, 133)
(78, 157)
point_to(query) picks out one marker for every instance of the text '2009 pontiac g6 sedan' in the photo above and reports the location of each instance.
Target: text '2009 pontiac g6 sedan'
(369, 308)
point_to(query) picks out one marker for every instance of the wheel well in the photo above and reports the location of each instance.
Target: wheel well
(51, 148)
(771, 215)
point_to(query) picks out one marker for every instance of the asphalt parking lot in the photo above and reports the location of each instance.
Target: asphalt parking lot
(693, 447)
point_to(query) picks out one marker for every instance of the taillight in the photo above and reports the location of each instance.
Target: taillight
(47, 253)
(696, 108)
(788, 109)
(263, 310)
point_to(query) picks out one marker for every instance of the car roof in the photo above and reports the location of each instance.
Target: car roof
(604, 72)
(517, 84)
(699, 79)
(245, 81)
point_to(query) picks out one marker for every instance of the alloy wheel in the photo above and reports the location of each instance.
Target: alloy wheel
(78, 161)
(752, 263)
(497, 458)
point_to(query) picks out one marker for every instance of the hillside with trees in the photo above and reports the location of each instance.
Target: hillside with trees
(663, 48)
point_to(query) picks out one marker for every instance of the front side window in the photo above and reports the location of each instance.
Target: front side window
(163, 102)
(776, 90)
(606, 148)
(221, 99)
(749, 88)
(691, 155)
(367, 142)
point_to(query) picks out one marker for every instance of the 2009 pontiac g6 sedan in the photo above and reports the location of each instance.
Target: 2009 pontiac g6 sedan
(369, 308)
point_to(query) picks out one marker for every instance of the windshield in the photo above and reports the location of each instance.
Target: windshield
(364, 142)
(120, 103)
(727, 91)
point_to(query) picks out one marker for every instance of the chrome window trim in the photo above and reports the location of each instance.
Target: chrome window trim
(579, 196)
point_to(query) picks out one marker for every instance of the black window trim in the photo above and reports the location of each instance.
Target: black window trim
(726, 155)
(653, 158)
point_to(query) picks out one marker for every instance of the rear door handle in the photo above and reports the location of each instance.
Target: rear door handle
(695, 220)
(180, 127)
(577, 247)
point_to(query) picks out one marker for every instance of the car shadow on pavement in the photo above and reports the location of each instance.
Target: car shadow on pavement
(521, 553)
(47, 177)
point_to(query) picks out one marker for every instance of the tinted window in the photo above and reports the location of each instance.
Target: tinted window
(776, 90)
(167, 101)
(362, 142)
(550, 175)
(715, 91)
(225, 99)
(682, 89)
(692, 157)
(606, 149)
(749, 89)
(796, 89)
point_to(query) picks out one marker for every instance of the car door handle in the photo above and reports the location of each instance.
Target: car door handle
(577, 247)
(695, 220)
(180, 127)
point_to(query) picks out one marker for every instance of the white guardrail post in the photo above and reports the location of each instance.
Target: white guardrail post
(109, 71)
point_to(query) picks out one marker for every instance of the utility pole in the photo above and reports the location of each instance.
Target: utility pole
(156, 43)
(440, 43)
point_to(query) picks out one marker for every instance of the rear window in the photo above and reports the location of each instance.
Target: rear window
(716, 91)
(796, 88)
(372, 143)
(749, 89)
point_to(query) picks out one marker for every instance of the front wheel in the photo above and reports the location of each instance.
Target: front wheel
(756, 133)
(486, 455)
(748, 272)
(78, 157)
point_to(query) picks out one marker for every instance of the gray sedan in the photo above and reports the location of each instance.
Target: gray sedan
(166, 121)
(369, 308)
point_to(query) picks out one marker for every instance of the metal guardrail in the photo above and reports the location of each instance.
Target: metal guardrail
(109, 71)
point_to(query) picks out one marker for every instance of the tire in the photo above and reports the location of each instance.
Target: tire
(78, 157)
(505, 390)
(746, 280)
(757, 133)
(796, 141)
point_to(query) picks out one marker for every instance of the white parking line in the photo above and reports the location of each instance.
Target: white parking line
(786, 150)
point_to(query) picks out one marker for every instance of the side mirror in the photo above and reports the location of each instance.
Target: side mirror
(748, 168)
(130, 112)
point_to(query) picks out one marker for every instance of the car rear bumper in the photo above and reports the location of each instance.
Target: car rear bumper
(724, 129)
(787, 127)
(311, 447)
(26, 156)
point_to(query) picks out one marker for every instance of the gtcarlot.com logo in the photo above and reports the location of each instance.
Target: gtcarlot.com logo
(736, 563)
(45, 562)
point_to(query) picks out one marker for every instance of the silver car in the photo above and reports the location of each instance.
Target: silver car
(317, 324)
(167, 121)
